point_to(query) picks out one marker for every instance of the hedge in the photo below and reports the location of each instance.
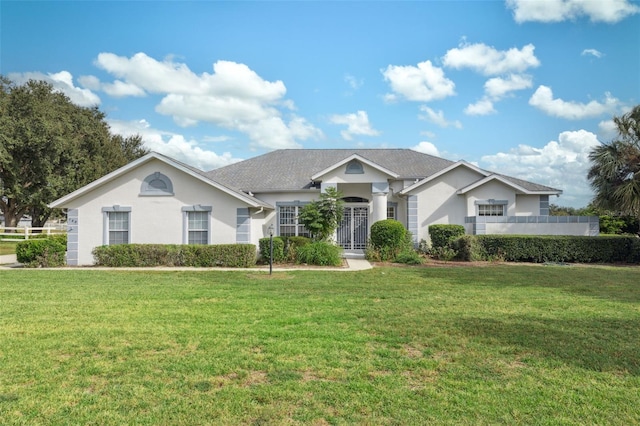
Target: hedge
(549, 248)
(284, 248)
(42, 252)
(191, 255)
(278, 249)
(442, 235)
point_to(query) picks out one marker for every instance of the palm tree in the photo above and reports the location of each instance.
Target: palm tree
(615, 168)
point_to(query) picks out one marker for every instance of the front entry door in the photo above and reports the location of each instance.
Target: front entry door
(353, 231)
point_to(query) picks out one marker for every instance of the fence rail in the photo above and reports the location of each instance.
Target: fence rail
(22, 233)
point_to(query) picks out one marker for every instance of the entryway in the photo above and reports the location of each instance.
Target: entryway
(353, 231)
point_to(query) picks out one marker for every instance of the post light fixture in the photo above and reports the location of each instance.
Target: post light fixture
(270, 248)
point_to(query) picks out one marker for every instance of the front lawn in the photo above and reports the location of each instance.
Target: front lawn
(500, 344)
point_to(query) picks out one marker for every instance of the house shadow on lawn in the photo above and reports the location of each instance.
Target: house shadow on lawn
(602, 345)
(616, 283)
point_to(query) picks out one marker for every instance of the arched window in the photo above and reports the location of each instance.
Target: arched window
(156, 184)
(354, 167)
(355, 200)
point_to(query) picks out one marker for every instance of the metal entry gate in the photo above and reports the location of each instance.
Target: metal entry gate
(354, 230)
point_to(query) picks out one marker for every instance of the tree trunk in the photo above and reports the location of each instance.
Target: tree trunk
(12, 214)
(39, 217)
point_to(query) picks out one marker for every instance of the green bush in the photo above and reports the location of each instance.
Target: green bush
(409, 256)
(191, 255)
(278, 249)
(442, 235)
(468, 248)
(319, 253)
(549, 248)
(388, 238)
(42, 252)
(291, 245)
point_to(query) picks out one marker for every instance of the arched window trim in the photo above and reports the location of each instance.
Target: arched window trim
(149, 190)
(354, 167)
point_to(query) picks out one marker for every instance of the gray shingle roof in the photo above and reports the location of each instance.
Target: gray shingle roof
(291, 169)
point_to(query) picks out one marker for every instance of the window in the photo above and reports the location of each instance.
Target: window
(196, 226)
(391, 211)
(354, 167)
(116, 225)
(288, 225)
(156, 184)
(491, 210)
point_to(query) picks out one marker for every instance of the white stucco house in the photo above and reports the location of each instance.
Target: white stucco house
(156, 199)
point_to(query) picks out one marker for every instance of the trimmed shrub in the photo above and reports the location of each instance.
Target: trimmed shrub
(468, 248)
(278, 249)
(550, 248)
(320, 253)
(442, 235)
(388, 238)
(190, 255)
(42, 252)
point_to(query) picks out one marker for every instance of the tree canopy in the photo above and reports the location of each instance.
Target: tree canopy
(322, 217)
(615, 167)
(50, 147)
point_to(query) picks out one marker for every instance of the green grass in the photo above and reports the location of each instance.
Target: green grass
(501, 344)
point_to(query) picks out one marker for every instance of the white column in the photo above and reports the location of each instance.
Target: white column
(379, 207)
(379, 191)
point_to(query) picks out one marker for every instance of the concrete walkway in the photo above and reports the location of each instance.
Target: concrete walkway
(9, 261)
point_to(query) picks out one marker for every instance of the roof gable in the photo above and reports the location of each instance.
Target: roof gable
(446, 170)
(350, 158)
(510, 183)
(197, 174)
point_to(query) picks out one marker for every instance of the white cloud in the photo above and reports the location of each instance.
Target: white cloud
(561, 164)
(173, 145)
(353, 82)
(499, 87)
(482, 107)
(592, 52)
(357, 124)
(487, 60)
(62, 82)
(609, 11)
(607, 130)
(426, 148)
(544, 101)
(422, 83)
(437, 118)
(233, 97)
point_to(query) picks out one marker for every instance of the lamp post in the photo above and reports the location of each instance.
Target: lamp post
(270, 249)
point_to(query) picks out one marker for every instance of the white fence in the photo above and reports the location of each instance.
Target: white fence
(22, 233)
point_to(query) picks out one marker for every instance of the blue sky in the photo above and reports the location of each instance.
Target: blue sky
(521, 87)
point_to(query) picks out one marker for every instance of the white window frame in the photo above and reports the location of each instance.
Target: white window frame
(106, 224)
(299, 229)
(491, 207)
(393, 208)
(185, 222)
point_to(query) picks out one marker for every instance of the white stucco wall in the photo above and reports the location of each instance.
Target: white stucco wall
(538, 228)
(527, 205)
(491, 190)
(153, 219)
(439, 203)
